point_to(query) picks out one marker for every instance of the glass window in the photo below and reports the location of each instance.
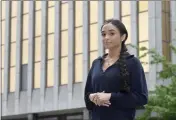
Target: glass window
(125, 8)
(79, 13)
(37, 75)
(145, 59)
(50, 73)
(12, 79)
(79, 40)
(51, 3)
(38, 20)
(2, 56)
(143, 28)
(94, 37)
(13, 54)
(127, 22)
(25, 26)
(78, 68)
(50, 46)
(3, 6)
(38, 5)
(23, 82)
(64, 43)
(93, 56)
(93, 11)
(143, 6)
(2, 80)
(164, 33)
(109, 5)
(38, 49)
(13, 29)
(14, 8)
(166, 50)
(25, 52)
(3, 32)
(166, 6)
(51, 17)
(64, 16)
(64, 70)
(25, 7)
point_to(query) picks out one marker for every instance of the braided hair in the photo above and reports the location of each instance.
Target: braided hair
(124, 73)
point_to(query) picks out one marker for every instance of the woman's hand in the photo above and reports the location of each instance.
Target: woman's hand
(103, 99)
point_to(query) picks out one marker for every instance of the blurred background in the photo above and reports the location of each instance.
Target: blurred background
(47, 48)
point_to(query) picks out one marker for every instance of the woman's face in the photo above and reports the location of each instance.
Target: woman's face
(111, 36)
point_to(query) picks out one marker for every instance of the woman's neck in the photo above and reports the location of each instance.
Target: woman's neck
(114, 53)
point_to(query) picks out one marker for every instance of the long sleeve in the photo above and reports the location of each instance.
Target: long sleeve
(88, 90)
(139, 93)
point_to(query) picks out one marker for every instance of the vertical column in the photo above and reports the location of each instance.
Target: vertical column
(158, 24)
(31, 54)
(57, 53)
(117, 9)
(134, 27)
(101, 16)
(86, 45)
(70, 51)
(43, 55)
(1, 61)
(18, 57)
(155, 40)
(173, 28)
(7, 56)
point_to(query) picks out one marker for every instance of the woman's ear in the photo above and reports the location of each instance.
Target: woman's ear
(123, 37)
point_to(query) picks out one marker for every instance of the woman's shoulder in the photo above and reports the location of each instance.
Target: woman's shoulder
(133, 61)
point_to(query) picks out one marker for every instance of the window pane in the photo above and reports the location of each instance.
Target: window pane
(93, 37)
(13, 29)
(51, 3)
(127, 22)
(25, 52)
(64, 43)
(125, 7)
(143, 28)
(166, 50)
(79, 40)
(13, 54)
(38, 49)
(50, 73)
(38, 5)
(23, 82)
(12, 79)
(93, 11)
(25, 26)
(93, 56)
(37, 75)
(64, 70)
(78, 13)
(2, 56)
(14, 8)
(64, 16)
(146, 58)
(3, 31)
(38, 23)
(143, 6)
(164, 33)
(3, 9)
(50, 46)
(78, 68)
(51, 17)
(109, 9)
(2, 80)
(25, 6)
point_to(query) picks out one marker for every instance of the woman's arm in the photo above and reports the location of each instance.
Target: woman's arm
(139, 92)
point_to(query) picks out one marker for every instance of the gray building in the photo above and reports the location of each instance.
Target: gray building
(47, 49)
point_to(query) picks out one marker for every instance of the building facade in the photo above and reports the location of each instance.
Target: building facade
(47, 48)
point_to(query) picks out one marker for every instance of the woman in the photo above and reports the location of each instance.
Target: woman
(116, 82)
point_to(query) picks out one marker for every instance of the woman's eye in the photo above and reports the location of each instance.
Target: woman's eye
(103, 34)
(112, 33)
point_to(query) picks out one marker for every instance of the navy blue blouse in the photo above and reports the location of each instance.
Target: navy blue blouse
(123, 105)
